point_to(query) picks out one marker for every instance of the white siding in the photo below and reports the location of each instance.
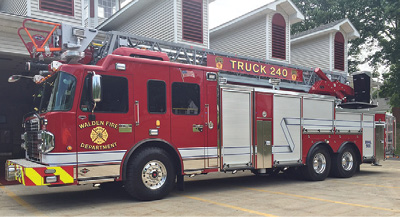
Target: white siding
(75, 20)
(205, 25)
(155, 21)
(18, 7)
(246, 40)
(313, 53)
(12, 44)
(269, 36)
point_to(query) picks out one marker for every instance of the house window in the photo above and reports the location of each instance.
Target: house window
(339, 51)
(192, 20)
(278, 37)
(107, 8)
(58, 6)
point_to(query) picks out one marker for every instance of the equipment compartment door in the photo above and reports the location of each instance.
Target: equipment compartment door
(379, 142)
(236, 128)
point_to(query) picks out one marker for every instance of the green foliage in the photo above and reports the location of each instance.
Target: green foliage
(378, 21)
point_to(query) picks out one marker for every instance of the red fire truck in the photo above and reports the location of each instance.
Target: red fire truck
(139, 119)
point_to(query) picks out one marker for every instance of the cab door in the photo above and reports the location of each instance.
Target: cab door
(151, 107)
(188, 116)
(102, 140)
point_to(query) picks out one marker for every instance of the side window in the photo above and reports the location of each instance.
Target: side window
(114, 95)
(156, 96)
(185, 99)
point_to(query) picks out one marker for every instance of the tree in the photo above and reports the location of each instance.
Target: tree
(377, 22)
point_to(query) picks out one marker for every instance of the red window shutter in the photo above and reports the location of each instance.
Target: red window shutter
(58, 6)
(278, 37)
(192, 20)
(339, 51)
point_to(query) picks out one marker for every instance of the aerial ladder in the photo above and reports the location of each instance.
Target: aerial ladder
(47, 41)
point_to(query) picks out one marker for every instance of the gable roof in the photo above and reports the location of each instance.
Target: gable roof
(343, 24)
(125, 13)
(294, 13)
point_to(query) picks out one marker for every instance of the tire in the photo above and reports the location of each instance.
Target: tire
(150, 174)
(345, 163)
(318, 165)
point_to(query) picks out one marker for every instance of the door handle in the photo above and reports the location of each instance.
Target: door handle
(197, 128)
(137, 113)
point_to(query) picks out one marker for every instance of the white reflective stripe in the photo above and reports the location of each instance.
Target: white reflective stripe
(56, 159)
(91, 157)
(192, 152)
(368, 124)
(198, 152)
(237, 150)
(281, 149)
(211, 152)
(100, 157)
(348, 123)
(318, 124)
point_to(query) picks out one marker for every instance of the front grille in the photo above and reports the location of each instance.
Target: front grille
(32, 146)
(32, 125)
(32, 140)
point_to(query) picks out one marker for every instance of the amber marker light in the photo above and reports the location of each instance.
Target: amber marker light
(69, 148)
(158, 123)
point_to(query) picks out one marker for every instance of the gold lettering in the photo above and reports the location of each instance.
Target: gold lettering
(263, 70)
(98, 147)
(240, 66)
(248, 69)
(254, 68)
(233, 63)
(82, 126)
(112, 125)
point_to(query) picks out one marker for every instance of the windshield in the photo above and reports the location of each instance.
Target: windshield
(62, 93)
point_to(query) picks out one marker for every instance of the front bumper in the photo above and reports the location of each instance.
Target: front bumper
(33, 174)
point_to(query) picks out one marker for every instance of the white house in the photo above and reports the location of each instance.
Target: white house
(178, 21)
(263, 33)
(324, 47)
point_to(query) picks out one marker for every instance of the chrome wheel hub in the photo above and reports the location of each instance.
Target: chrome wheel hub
(319, 163)
(154, 174)
(347, 161)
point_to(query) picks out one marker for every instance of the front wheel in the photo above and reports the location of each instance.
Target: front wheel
(150, 174)
(318, 165)
(345, 163)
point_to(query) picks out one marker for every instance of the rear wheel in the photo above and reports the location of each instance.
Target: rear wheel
(345, 163)
(150, 174)
(318, 165)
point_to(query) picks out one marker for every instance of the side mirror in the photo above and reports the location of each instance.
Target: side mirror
(14, 78)
(96, 88)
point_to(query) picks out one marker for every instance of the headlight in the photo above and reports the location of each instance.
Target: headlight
(24, 138)
(47, 141)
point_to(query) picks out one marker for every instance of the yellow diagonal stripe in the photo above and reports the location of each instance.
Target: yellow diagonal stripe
(35, 177)
(64, 176)
(20, 178)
